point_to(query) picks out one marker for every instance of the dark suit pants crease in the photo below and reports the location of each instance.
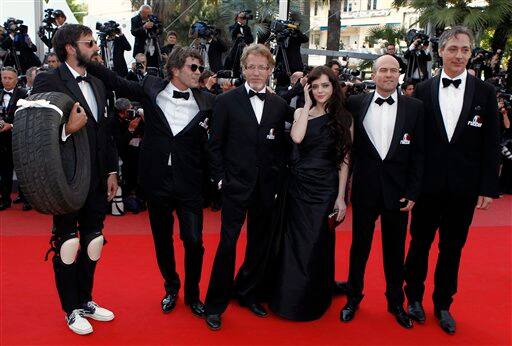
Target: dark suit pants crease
(394, 227)
(247, 285)
(452, 215)
(190, 217)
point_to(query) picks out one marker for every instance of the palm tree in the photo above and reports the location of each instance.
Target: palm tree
(387, 33)
(333, 25)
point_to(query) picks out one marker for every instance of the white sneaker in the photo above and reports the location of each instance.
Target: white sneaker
(77, 323)
(96, 312)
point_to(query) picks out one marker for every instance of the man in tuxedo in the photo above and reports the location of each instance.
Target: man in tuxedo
(176, 118)
(461, 173)
(141, 27)
(246, 148)
(9, 96)
(388, 166)
(74, 269)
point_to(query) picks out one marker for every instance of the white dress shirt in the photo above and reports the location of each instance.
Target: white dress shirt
(379, 123)
(257, 104)
(87, 91)
(178, 111)
(7, 98)
(450, 102)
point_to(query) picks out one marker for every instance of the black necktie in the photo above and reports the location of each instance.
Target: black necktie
(448, 81)
(83, 79)
(179, 95)
(261, 96)
(380, 101)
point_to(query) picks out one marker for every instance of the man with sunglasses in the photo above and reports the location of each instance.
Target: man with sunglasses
(75, 258)
(176, 118)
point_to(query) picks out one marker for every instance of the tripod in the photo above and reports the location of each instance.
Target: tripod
(107, 51)
(153, 37)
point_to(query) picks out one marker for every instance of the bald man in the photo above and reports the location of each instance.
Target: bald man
(388, 166)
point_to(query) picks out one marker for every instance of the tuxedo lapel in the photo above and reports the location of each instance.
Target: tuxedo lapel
(245, 102)
(438, 115)
(364, 109)
(399, 126)
(469, 93)
(99, 99)
(267, 107)
(201, 103)
(72, 85)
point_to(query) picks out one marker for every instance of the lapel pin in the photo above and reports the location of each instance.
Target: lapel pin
(406, 140)
(271, 134)
(476, 122)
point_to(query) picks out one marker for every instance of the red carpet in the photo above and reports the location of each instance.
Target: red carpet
(129, 283)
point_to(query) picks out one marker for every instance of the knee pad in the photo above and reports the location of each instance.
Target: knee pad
(93, 244)
(69, 250)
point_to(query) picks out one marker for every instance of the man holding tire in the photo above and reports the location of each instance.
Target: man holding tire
(75, 258)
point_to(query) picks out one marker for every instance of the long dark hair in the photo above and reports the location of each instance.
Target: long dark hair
(340, 119)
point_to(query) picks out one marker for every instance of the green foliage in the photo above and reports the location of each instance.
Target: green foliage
(76, 8)
(387, 33)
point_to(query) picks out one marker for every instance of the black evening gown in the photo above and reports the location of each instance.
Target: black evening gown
(304, 273)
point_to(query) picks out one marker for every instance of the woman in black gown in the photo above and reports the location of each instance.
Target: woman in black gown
(319, 167)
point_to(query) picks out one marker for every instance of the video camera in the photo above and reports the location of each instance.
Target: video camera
(413, 34)
(135, 112)
(14, 26)
(228, 74)
(201, 29)
(157, 26)
(247, 14)
(283, 29)
(108, 29)
(359, 88)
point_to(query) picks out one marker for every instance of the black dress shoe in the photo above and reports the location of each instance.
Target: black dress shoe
(340, 288)
(416, 312)
(197, 308)
(213, 321)
(169, 302)
(401, 316)
(348, 312)
(26, 207)
(5, 205)
(257, 309)
(446, 321)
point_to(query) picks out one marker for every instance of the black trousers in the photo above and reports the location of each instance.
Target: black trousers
(249, 280)
(6, 171)
(190, 216)
(75, 281)
(394, 228)
(452, 215)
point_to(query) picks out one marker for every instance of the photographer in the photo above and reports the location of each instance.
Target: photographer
(391, 50)
(138, 70)
(18, 43)
(52, 18)
(294, 96)
(417, 57)
(207, 40)
(127, 128)
(52, 60)
(241, 36)
(481, 62)
(172, 38)
(120, 45)
(335, 66)
(145, 27)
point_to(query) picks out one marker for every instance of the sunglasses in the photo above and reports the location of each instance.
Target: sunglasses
(195, 67)
(89, 43)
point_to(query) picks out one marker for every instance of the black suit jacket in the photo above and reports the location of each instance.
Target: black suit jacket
(217, 47)
(140, 35)
(399, 174)
(7, 114)
(187, 149)
(245, 31)
(120, 45)
(103, 154)
(243, 152)
(468, 164)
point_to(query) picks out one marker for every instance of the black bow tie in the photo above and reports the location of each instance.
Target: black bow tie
(179, 95)
(380, 101)
(8, 92)
(261, 96)
(83, 79)
(448, 81)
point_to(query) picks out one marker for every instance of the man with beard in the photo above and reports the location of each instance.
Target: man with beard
(75, 259)
(172, 156)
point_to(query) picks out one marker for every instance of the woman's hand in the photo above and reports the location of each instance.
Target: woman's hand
(341, 207)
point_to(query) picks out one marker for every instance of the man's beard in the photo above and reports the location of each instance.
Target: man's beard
(81, 59)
